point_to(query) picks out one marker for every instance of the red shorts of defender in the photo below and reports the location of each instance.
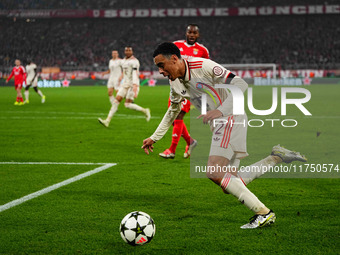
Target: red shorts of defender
(16, 86)
(185, 105)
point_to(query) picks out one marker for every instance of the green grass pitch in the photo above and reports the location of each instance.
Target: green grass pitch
(192, 215)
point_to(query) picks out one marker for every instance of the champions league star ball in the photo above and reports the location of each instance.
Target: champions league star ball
(137, 228)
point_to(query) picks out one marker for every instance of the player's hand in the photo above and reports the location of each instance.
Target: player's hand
(148, 145)
(211, 115)
(6, 81)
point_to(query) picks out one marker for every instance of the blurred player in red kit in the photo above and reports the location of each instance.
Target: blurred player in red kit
(188, 48)
(19, 78)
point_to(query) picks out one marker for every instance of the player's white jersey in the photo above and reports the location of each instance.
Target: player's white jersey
(31, 71)
(131, 71)
(115, 68)
(200, 78)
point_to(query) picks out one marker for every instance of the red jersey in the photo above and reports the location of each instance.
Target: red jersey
(19, 75)
(196, 50)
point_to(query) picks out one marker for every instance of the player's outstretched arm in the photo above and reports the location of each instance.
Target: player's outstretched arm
(163, 127)
(148, 145)
(10, 76)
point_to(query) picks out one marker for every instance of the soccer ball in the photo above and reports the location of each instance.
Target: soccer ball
(137, 228)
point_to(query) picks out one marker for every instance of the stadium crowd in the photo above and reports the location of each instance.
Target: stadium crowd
(308, 41)
(107, 4)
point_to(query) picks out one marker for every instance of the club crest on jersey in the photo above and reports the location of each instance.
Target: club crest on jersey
(199, 85)
(217, 70)
(195, 51)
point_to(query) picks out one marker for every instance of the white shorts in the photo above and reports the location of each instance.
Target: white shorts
(127, 92)
(34, 82)
(229, 139)
(113, 83)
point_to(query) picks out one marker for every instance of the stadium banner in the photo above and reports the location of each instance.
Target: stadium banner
(176, 12)
(313, 73)
(245, 74)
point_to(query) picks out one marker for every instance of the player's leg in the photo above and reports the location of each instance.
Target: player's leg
(110, 93)
(191, 143)
(17, 101)
(19, 95)
(113, 109)
(131, 95)
(222, 174)
(112, 86)
(227, 179)
(228, 146)
(38, 91)
(27, 93)
(116, 86)
(278, 155)
(177, 129)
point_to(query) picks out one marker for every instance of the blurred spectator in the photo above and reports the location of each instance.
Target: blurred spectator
(296, 41)
(116, 4)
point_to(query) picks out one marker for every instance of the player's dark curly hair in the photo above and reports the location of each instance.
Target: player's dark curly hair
(167, 49)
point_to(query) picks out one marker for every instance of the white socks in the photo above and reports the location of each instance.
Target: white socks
(135, 107)
(26, 95)
(131, 106)
(250, 173)
(112, 99)
(113, 110)
(235, 186)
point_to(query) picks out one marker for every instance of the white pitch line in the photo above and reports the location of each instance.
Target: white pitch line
(52, 163)
(54, 187)
(76, 113)
(54, 112)
(122, 116)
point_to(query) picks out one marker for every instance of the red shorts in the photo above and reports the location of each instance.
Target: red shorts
(185, 105)
(16, 86)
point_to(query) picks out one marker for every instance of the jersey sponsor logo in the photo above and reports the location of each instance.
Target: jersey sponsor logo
(217, 70)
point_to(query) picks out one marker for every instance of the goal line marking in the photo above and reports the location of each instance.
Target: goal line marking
(55, 186)
(52, 163)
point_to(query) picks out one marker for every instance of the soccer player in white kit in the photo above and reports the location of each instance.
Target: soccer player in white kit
(115, 71)
(129, 89)
(197, 77)
(32, 80)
